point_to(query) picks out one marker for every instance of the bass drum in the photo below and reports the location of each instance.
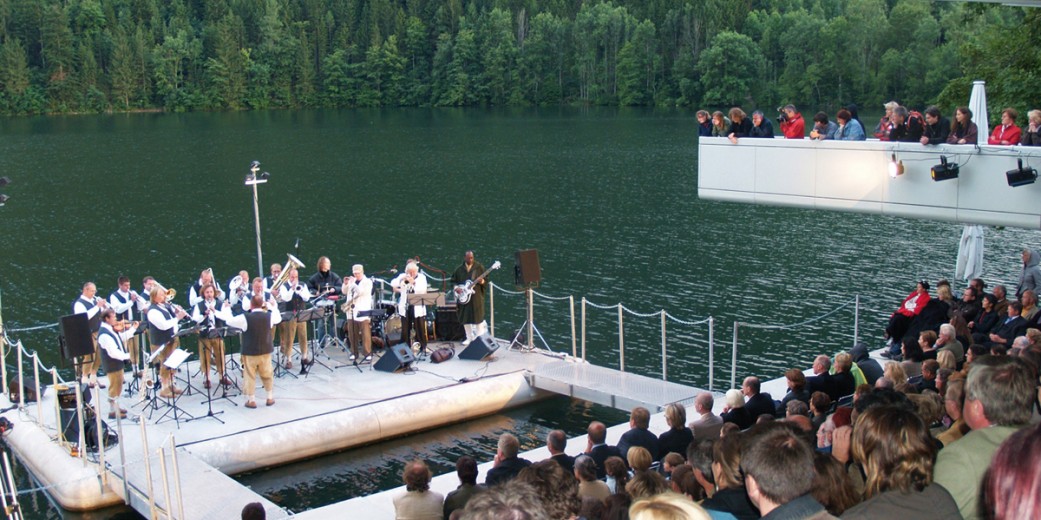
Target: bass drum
(392, 330)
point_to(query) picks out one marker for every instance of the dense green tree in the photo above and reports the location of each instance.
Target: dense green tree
(729, 67)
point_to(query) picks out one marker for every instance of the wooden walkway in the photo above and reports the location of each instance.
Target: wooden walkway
(610, 387)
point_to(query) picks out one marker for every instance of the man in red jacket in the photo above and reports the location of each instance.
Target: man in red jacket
(792, 124)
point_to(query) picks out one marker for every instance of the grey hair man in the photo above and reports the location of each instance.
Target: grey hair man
(707, 424)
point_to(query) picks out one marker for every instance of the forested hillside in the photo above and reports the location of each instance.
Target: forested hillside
(61, 56)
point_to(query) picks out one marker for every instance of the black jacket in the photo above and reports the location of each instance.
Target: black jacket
(639, 437)
(601, 453)
(505, 471)
(938, 132)
(764, 130)
(676, 440)
(759, 404)
(742, 129)
(734, 501)
(910, 131)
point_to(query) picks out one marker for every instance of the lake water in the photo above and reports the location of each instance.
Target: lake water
(607, 196)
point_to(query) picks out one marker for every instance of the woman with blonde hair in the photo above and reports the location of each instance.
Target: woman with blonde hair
(679, 436)
(1031, 135)
(896, 452)
(946, 359)
(667, 506)
(894, 372)
(639, 459)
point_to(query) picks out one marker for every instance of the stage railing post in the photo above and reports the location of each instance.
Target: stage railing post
(733, 360)
(574, 338)
(621, 340)
(21, 379)
(36, 381)
(711, 353)
(583, 328)
(491, 303)
(664, 369)
(148, 470)
(856, 320)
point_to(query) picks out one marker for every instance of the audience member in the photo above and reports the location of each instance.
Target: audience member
(778, 472)
(740, 124)
(896, 452)
(900, 321)
(507, 465)
(945, 358)
(796, 408)
(720, 124)
(937, 128)
(894, 372)
(968, 306)
(678, 436)
(666, 506)
(961, 330)
(963, 130)
(913, 353)
(761, 127)
(616, 507)
(1001, 305)
(254, 511)
(670, 461)
(871, 369)
(1007, 133)
(556, 442)
(707, 424)
(704, 123)
(597, 447)
(757, 403)
(617, 474)
(556, 489)
(832, 486)
(592, 509)
(1014, 325)
(466, 469)
(683, 481)
(843, 383)
(953, 402)
(821, 380)
(999, 395)
(822, 128)
(1012, 485)
(986, 321)
(646, 484)
(820, 405)
(1031, 135)
(418, 502)
(639, 459)
(928, 379)
(907, 127)
(1030, 310)
(699, 457)
(516, 501)
(730, 496)
(1030, 274)
(947, 340)
(885, 125)
(728, 428)
(792, 124)
(639, 435)
(588, 485)
(850, 128)
(735, 411)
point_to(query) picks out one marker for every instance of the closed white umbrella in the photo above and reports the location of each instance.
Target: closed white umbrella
(978, 105)
(970, 253)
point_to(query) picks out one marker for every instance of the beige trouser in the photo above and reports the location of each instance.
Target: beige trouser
(360, 333)
(289, 332)
(90, 370)
(164, 372)
(211, 354)
(134, 348)
(253, 366)
(115, 383)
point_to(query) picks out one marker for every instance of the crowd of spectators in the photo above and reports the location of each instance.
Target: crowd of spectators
(945, 428)
(898, 124)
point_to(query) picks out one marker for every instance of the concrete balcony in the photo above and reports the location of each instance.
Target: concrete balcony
(854, 176)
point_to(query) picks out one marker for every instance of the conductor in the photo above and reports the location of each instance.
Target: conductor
(258, 343)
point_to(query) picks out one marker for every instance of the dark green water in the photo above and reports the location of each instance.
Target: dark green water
(607, 196)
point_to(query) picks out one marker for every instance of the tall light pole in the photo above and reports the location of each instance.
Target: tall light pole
(252, 179)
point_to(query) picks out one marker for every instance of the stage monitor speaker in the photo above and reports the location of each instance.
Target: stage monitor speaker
(448, 326)
(480, 348)
(29, 389)
(527, 272)
(78, 340)
(395, 359)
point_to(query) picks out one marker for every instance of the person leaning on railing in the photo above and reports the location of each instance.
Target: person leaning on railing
(849, 128)
(963, 130)
(1031, 135)
(1007, 133)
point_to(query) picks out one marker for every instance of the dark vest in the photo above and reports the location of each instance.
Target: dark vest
(206, 324)
(297, 304)
(157, 336)
(125, 315)
(110, 364)
(95, 322)
(257, 339)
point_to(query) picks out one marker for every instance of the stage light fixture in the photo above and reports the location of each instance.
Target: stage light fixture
(945, 170)
(896, 168)
(253, 178)
(4, 181)
(1021, 176)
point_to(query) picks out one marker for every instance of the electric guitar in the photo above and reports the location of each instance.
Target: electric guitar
(465, 291)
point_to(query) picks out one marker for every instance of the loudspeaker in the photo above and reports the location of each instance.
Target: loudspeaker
(448, 326)
(480, 348)
(29, 389)
(78, 339)
(527, 272)
(396, 358)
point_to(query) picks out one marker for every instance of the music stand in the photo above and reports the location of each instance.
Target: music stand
(280, 361)
(176, 359)
(134, 385)
(436, 299)
(188, 378)
(223, 332)
(151, 397)
(309, 315)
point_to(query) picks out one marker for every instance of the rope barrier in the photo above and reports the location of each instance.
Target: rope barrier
(684, 322)
(556, 298)
(37, 327)
(641, 314)
(795, 325)
(507, 291)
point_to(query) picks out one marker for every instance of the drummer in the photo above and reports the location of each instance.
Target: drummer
(324, 283)
(358, 291)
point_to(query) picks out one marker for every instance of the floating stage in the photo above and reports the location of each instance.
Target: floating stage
(328, 410)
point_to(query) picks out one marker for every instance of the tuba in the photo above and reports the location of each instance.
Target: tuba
(291, 263)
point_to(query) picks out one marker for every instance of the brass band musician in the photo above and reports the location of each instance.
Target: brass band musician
(276, 269)
(293, 296)
(211, 343)
(88, 303)
(358, 292)
(411, 282)
(237, 288)
(195, 291)
(162, 333)
(112, 338)
(124, 301)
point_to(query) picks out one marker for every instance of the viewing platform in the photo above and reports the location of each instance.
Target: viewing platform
(855, 176)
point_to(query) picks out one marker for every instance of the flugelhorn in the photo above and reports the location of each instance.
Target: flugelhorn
(292, 263)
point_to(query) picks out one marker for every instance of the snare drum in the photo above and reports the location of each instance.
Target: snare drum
(392, 330)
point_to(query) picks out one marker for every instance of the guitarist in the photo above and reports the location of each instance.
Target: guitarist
(471, 314)
(358, 291)
(412, 282)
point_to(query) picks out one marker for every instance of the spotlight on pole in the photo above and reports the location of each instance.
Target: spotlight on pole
(1021, 176)
(896, 168)
(945, 170)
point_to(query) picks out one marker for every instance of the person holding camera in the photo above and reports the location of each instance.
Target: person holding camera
(792, 124)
